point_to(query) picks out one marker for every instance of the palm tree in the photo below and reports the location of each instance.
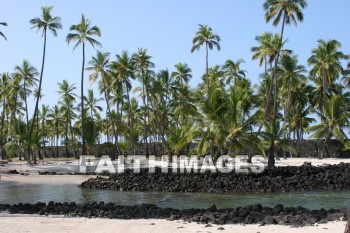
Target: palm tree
(281, 142)
(334, 121)
(266, 52)
(290, 11)
(2, 34)
(15, 105)
(66, 101)
(123, 69)
(55, 119)
(215, 76)
(292, 74)
(82, 33)
(233, 71)
(47, 22)
(91, 103)
(4, 97)
(326, 65)
(182, 73)
(99, 67)
(143, 65)
(205, 35)
(26, 73)
(43, 115)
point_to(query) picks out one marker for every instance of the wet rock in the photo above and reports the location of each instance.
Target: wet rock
(12, 171)
(270, 220)
(278, 209)
(43, 172)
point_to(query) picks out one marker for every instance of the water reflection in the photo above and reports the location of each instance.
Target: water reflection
(13, 193)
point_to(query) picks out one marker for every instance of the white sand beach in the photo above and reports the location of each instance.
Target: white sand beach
(72, 165)
(53, 224)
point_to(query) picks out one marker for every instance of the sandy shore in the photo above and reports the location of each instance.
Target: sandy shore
(72, 165)
(39, 179)
(32, 223)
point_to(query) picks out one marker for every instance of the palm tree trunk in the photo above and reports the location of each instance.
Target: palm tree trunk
(27, 120)
(324, 97)
(44, 137)
(207, 65)
(66, 140)
(269, 93)
(57, 136)
(15, 128)
(271, 160)
(112, 120)
(130, 118)
(38, 97)
(3, 152)
(145, 114)
(82, 103)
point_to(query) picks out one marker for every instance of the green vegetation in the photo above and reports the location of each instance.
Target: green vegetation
(225, 113)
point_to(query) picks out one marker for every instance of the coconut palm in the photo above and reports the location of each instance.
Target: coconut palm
(99, 67)
(55, 118)
(47, 22)
(4, 97)
(66, 103)
(205, 36)
(91, 103)
(326, 65)
(82, 33)
(215, 76)
(123, 70)
(26, 73)
(143, 67)
(66, 91)
(334, 121)
(233, 70)
(299, 112)
(280, 141)
(290, 11)
(291, 75)
(43, 116)
(2, 34)
(269, 47)
(182, 73)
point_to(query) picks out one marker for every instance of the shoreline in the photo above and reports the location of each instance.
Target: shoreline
(58, 224)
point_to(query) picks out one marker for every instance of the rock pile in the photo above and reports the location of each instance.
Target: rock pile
(280, 179)
(252, 214)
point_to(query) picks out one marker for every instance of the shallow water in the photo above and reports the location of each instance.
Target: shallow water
(12, 193)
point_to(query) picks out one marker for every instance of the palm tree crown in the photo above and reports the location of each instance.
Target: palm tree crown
(47, 21)
(289, 10)
(2, 34)
(84, 32)
(205, 35)
(326, 65)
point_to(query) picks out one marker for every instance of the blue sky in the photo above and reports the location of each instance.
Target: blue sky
(164, 28)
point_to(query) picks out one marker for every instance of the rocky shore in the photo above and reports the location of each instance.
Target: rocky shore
(252, 214)
(279, 179)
